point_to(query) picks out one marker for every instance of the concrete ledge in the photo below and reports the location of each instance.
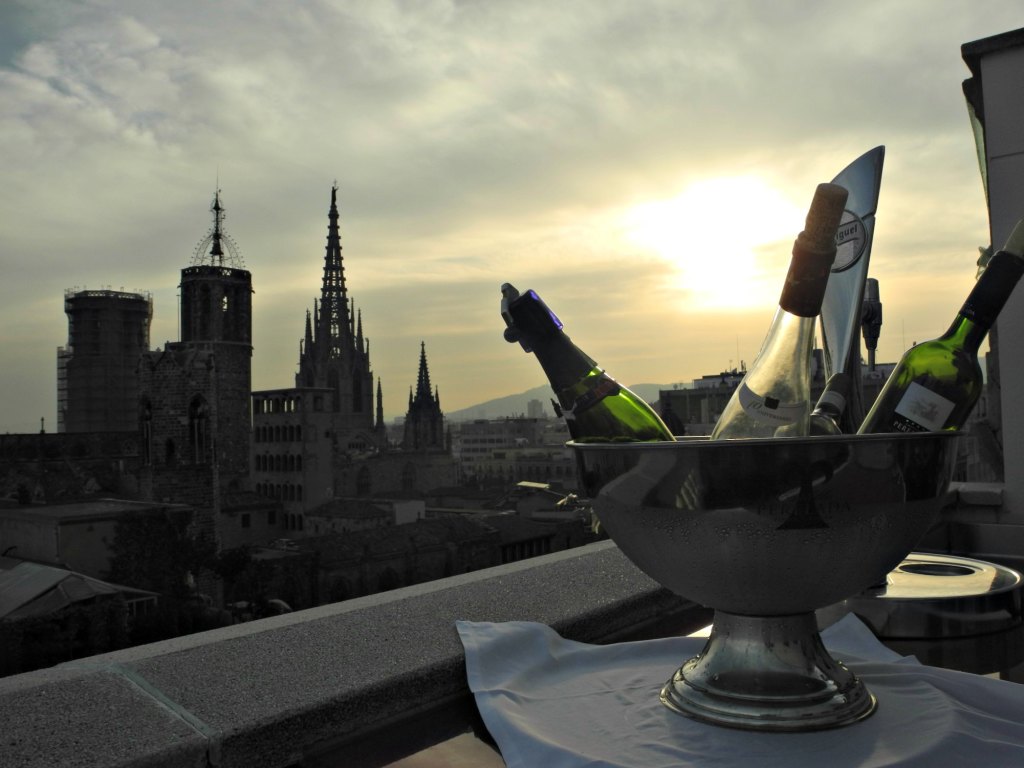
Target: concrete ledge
(979, 495)
(275, 691)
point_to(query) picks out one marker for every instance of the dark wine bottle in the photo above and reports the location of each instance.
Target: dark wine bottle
(827, 414)
(936, 383)
(594, 405)
(774, 396)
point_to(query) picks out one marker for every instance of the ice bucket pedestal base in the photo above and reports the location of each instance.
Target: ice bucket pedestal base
(767, 673)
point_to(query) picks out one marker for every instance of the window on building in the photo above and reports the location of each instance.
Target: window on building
(204, 313)
(146, 424)
(332, 382)
(246, 520)
(363, 483)
(199, 430)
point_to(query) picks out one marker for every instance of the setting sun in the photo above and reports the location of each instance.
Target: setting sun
(712, 234)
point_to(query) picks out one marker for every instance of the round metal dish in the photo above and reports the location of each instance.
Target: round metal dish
(949, 611)
(766, 532)
(941, 596)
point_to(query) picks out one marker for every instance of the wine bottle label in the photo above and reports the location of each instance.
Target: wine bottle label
(768, 409)
(921, 410)
(603, 387)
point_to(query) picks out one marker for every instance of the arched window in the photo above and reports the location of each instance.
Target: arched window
(298, 493)
(298, 463)
(409, 477)
(146, 425)
(170, 453)
(199, 430)
(204, 313)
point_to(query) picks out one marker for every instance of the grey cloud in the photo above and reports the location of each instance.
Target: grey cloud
(464, 136)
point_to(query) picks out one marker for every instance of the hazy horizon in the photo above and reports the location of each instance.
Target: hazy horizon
(643, 165)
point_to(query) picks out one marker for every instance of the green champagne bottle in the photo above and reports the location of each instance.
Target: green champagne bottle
(595, 406)
(773, 399)
(936, 383)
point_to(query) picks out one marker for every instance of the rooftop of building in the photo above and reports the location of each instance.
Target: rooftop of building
(80, 511)
(351, 509)
(30, 589)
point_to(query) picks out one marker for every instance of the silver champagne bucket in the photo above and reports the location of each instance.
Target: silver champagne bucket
(765, 532)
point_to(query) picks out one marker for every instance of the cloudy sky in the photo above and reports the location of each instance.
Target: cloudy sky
(644, 165)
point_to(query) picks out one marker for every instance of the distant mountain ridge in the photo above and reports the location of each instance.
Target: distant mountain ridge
(516, 405)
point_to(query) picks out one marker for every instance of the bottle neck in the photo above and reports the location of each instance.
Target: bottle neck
(790, 336)
(563, 362)
(966, 334)
(539, 331)
(986, 300)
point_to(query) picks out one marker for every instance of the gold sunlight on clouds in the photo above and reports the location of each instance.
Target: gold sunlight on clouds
(714, 235)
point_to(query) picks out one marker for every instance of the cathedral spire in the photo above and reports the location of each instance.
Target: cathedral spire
(380, 405)
(334, 328)
(424, 422)
(423, 380)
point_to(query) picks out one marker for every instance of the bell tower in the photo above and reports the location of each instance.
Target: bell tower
(194, 394)
(216, 291)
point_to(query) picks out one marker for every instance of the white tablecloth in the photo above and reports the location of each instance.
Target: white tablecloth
(555, 703)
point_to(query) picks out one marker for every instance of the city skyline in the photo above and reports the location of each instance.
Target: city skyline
(599, 155)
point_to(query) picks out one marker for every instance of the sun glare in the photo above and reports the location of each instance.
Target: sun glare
(712, 233)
